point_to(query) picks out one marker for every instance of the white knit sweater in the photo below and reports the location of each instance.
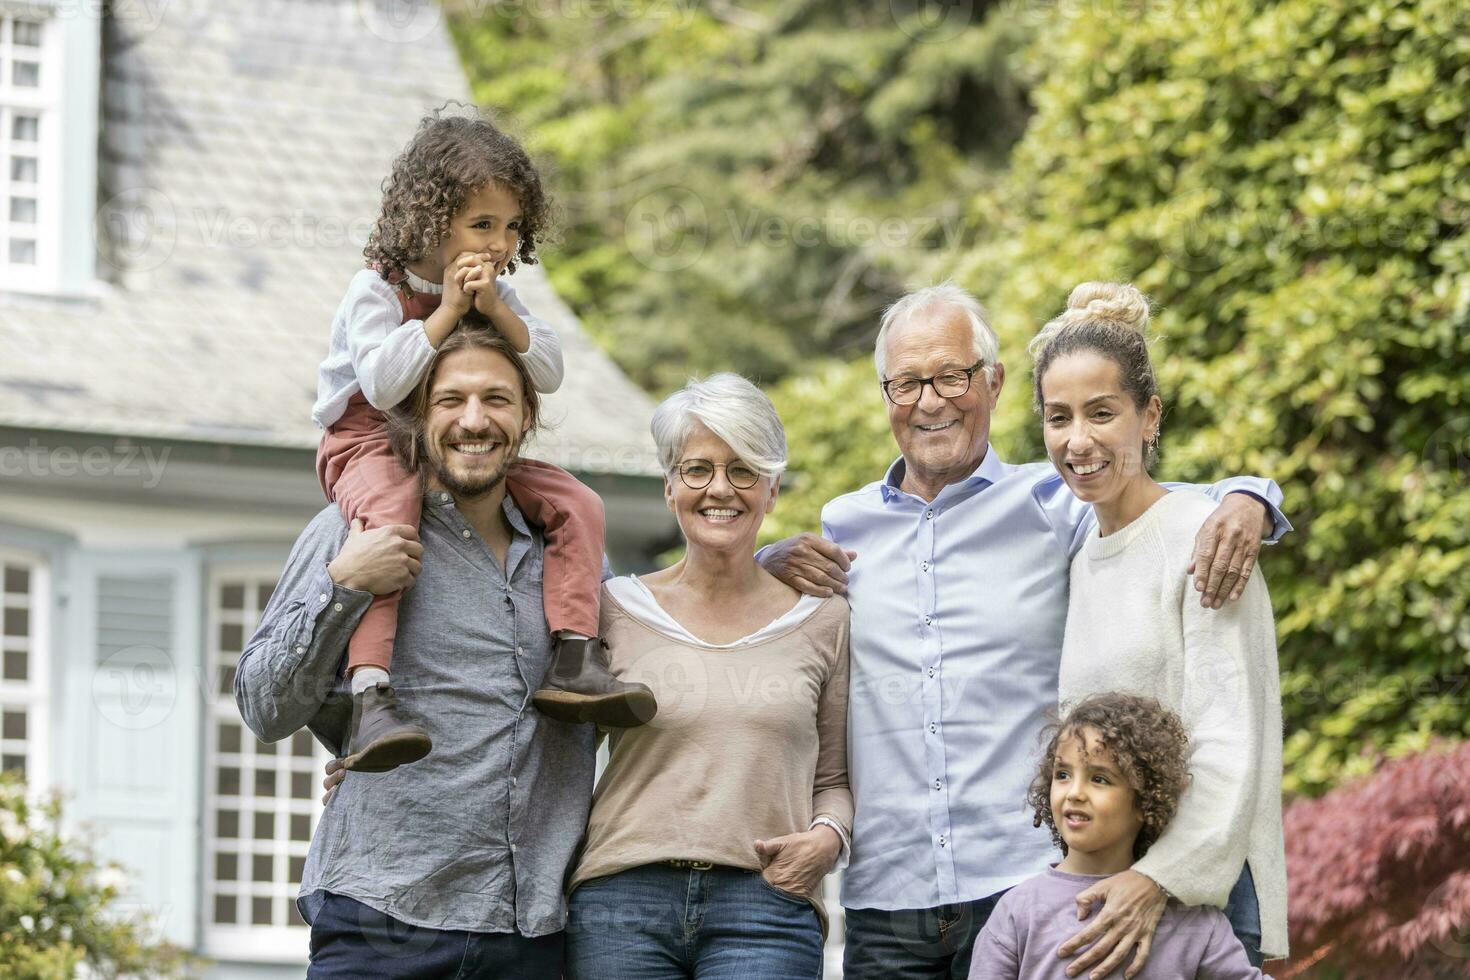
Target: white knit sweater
(1135, 624)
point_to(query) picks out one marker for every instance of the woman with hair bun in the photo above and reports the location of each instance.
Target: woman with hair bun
(1134, 625)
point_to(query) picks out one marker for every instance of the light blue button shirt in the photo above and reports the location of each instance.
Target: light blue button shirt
(958, 609)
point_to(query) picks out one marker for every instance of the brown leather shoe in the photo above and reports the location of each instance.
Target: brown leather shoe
(383, 734)
(579, 688)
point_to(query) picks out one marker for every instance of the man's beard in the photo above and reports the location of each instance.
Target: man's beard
(477, 486)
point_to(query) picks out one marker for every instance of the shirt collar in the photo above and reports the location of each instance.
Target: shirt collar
(441, 499)
(990, 470)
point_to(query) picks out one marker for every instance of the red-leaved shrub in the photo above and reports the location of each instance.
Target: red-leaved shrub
(1379, 873)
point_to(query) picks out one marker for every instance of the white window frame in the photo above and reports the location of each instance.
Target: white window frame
(44, 102)
(32, 694)
(243, 941)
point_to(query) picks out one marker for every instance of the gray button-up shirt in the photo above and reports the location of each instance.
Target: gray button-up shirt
(476, 836)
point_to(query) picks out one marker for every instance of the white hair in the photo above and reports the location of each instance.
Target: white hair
(730, 407)
(945, 294)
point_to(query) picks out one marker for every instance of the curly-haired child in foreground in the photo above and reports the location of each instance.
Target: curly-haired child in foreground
(1108, 785)
(462, 206)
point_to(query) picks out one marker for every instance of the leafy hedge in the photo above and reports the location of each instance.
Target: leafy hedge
(1290, 183)
(58, 906)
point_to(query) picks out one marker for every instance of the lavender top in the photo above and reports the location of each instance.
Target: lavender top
(1033, 919)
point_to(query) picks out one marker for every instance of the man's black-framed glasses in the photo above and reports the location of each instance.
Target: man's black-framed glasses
(697, 473)
(946, 384)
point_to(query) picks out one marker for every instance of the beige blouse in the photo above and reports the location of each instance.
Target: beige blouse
(750, 742)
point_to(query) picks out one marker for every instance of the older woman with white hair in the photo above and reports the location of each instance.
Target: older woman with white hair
(713, 825)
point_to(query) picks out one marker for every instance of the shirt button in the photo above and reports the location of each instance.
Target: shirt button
(465, 532)
(931, 671)
(933, 728)
(928, 515)
(337, 607)
(927, 620)
(941, 843)
(513, 848)
(512, 780)
(519, 653)
(322, 597)
(301, 649)
(936, 784)
(924, 565)
(443, 498)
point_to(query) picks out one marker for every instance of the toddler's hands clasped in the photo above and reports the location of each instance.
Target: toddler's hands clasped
(466, 281)
(481, 285)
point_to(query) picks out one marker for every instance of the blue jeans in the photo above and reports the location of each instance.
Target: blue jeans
(350, 940)
(1244, 912)
(656, 922)
(916, 944)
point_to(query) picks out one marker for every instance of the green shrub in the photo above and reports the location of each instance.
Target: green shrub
(55, 914)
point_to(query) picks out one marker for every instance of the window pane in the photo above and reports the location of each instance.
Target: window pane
(25, 74)
(301, 787)
(224, 908)
(227, 824)
(265, 783)
(27, 34)
(9, 762)
(17, 622)
(17, 578)
(23, 210)
(260, 911)
(262, 868)
(22, 251)
(226, 866)
(16, 666)
(265, 826)
(231, 636)
(23, 169)
(300, 827)
(13, 723)
(25, 129)
(229, 737)
(232, 597)
(229, 781)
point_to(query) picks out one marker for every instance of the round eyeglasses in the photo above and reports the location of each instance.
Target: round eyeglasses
(946, 384)
(697, 473)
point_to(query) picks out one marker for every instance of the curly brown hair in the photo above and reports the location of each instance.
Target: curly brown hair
(1147, 742)
(449, 158)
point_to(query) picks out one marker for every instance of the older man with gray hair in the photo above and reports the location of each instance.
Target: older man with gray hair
(956, 568)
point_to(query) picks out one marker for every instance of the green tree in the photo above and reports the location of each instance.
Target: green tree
(1290, 183)
(745, 186)
(58, 913)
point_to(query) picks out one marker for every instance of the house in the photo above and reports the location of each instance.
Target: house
(186, 191)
